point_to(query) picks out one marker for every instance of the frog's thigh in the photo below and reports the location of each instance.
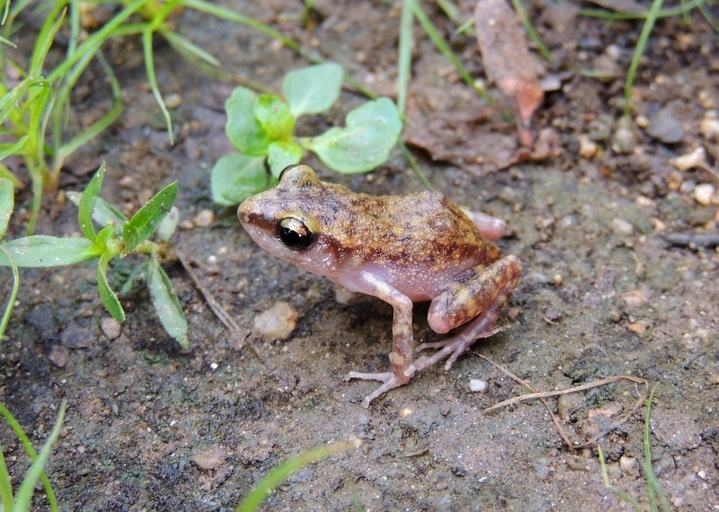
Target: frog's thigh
(461, 301)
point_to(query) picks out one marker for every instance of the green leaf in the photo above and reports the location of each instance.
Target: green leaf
(107, 295)
(87, 202)
(7, 203)
(37, 470)
(13, 148)
(166, 304)
(242, 128)
(104, 213)
(281, 155)
(236, 177)
(313, 89)
(372, 131)
(49, 251)
(274, 117)
(145, 221)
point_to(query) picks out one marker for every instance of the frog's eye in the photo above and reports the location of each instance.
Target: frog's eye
(294, 234)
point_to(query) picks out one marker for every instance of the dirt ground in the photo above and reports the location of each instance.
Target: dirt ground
(604, 291)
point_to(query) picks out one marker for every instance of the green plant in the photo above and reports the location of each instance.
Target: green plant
(650, 17)
(655, 494)
(34, 112)
(119, 236)
(261, 128)
(282, 472)
(21, 501)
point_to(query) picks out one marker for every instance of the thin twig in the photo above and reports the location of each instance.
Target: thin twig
(546, 394)
(236, 333)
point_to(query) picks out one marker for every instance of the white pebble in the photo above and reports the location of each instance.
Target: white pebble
(697, 158)
(277, 323)
(704, 193)
(478, 386)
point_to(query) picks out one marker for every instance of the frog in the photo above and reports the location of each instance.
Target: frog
(402, 249)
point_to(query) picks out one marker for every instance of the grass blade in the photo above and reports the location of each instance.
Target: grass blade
(404, 56)
(620, 494)
(444, 48)
(282, 472)
(531, 31)
(13, 292)
(638, 51)
(5, 486)
(187, 48)
(37, 470)
(152, 78)
(98, 126)
(92, 43)
(45, 38)
(654, 487)
(226, 14)
(27, 445)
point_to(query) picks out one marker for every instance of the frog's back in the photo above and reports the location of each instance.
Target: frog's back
(418, 231)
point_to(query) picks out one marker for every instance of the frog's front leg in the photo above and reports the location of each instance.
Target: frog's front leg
(402, 338)
(478, 295)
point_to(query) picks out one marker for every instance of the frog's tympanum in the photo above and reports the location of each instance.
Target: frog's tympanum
(401, 249)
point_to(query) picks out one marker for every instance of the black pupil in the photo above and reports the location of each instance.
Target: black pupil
(294, 234)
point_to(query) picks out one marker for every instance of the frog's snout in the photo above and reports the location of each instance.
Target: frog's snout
(244, 211)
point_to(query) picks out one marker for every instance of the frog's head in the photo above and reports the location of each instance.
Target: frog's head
(287, 221)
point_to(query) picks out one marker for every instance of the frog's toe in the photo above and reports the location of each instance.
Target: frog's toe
(389, 380)
(427, 346)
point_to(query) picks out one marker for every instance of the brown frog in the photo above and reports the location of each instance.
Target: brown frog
(401, 249)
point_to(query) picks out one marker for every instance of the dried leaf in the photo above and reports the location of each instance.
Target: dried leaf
(507, 62)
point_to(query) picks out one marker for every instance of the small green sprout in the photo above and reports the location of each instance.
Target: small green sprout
(261, 128)
(22, 500)
(119, 236)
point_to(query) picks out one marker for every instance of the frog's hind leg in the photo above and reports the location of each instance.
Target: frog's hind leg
(490, 289)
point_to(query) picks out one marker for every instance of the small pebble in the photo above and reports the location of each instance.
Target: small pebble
(478, 386)
(639, 327)
(635, 298)
(211, 458)
(623, 138)
(172, 101)
(709, 127)
(627, 464)
(58, 355)
(587, 147)
(665, 127)
(697, 158)
(704, 193)
(277, 323)
(204, 218)
(622, 227)
(110, 327)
